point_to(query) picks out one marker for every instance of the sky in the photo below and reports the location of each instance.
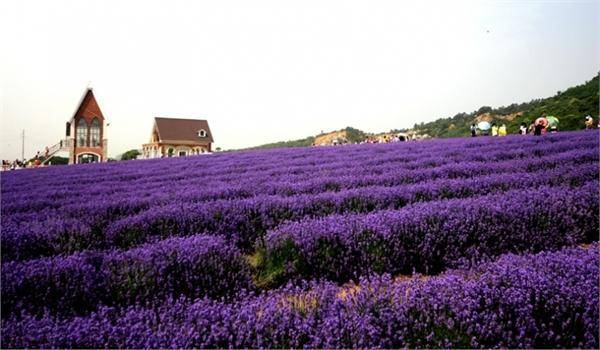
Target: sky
(266, 71)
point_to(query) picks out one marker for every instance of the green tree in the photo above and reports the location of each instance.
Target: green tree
(354, 135)
(131, 154)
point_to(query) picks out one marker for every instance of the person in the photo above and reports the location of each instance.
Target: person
(502, 130)
(538, 129)
(46, 151)
(589, 122)
(523, 129)
(532, 127)
(473, 130)
(494, 129)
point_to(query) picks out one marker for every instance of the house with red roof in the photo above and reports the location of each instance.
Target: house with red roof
(178, 137)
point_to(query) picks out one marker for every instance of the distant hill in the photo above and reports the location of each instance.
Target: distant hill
(569, 106)
(350, 134)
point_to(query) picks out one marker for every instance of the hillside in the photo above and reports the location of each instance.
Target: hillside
(350, 134)
(570, 106)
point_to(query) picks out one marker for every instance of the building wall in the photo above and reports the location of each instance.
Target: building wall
(162, 149)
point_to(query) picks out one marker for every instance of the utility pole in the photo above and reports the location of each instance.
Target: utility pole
(23, 145)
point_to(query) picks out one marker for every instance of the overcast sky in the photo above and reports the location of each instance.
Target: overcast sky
(264, 71)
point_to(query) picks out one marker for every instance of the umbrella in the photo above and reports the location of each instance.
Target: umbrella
(541, 121)
(552, 121)
(484, 125)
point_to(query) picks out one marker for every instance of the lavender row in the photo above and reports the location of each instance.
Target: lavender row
(129, 203)
(390, 175)
(53, 200)
(99, 210)
(548, 300)
(195, 266)
(95, 213)
(430, 237)
(246, 220)
(426, 238)
(109, 206)
(232, 162)
(111, 182)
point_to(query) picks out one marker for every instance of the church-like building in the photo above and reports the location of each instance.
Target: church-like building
(85, 131)
(85, 137)
(178, 137)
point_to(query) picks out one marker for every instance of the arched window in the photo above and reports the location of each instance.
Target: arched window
(82, 133)
(202, 133)
(95, 133)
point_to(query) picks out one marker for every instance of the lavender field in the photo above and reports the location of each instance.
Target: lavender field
(473, 243)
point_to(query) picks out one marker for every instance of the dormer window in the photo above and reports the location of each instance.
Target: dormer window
(201, 133)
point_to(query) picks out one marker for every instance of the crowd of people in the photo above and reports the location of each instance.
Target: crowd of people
(36, 162)
(15, 164)
(400, 137)
(21, 164)
(390, 138)
(538, 127)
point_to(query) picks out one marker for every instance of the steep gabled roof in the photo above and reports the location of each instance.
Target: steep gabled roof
(88, 106)
(178, 129)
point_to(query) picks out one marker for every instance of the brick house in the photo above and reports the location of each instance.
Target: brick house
(177, 137)
(84, 135)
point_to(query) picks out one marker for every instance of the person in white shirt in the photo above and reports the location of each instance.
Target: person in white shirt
(523, 129)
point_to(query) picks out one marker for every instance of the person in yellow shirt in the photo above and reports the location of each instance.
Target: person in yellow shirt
(494, 129)
(502, 130)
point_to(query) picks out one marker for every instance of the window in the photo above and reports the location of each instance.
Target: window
(95, 133)
(182, 153)
(202, 133)
(170, 152)
(82, 133)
